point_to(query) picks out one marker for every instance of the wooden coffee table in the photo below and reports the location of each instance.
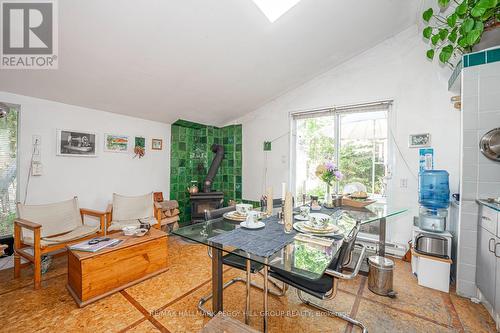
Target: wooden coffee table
(92, 276)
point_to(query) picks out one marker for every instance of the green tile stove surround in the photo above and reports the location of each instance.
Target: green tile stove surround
(190, 158)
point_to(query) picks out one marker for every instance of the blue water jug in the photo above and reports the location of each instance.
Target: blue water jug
(434, 189)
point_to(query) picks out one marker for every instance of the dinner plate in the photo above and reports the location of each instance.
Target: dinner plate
(234, 216)
(299, 227)
(328, 229)
(256, 225)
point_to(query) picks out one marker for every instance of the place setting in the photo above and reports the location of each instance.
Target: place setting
(248, 218)
(316, 224)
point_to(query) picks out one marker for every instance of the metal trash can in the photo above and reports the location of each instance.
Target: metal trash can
(380, 276)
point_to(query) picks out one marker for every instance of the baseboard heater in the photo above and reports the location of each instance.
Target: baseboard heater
(392, 249)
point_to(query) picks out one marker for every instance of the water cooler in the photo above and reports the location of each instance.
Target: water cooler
(431, 253)
(434, 200)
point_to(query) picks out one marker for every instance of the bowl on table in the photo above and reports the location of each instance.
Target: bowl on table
(130, 230)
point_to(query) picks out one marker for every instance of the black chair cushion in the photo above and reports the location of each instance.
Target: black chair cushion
(238, 262)
(317, 288)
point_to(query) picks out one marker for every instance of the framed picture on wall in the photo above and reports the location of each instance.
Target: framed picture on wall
(157, 144)
(76, 143)
(139, 146)
(419, 140)
(116, 143)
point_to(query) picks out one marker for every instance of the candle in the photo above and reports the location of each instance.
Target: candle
(283, 191)
(269, 203)
(288, 213)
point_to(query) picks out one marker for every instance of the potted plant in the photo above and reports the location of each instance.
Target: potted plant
(329, 173)
(459, 27)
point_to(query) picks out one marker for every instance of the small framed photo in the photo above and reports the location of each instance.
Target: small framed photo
(76, 143)
(116, 143)
(157, 144)
(419, 140)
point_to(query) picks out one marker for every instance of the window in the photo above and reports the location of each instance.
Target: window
(274, 9)
(8, 168)
(354, 137)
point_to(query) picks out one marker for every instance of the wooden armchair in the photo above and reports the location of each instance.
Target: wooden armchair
(41, 229)
(126, 211)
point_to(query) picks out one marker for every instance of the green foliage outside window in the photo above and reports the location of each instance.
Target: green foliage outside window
(355, 157)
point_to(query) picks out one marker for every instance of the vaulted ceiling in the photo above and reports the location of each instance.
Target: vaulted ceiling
(208, 61)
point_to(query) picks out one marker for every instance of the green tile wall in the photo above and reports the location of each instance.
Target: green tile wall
(191, 157)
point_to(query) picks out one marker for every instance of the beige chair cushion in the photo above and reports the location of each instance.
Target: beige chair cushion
(119, 225)
(79, 232)
(56, 218)
(132, 208)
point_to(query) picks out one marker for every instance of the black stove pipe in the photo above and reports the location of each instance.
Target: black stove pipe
(219, 156)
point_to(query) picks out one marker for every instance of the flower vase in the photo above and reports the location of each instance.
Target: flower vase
(328, 196)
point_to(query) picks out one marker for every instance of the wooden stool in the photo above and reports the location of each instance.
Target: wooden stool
(222, 323)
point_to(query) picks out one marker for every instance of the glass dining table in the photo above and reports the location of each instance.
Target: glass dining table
(303, 255)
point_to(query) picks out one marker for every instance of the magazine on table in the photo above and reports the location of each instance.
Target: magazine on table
(95, 244)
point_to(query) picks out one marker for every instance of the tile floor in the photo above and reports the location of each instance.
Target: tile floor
(167, 303)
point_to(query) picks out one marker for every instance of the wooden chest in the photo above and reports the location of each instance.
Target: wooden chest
(92, 276)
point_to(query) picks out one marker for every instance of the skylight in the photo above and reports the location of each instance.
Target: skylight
(274, 9)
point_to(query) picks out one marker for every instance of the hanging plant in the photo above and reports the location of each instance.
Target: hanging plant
(453, 35)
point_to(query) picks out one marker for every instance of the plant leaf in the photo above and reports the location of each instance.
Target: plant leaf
(427, 32)
(473, 37)
(430, 54)
(479, 25)
(477, 11)
(427, 14)
(487, 4)
(452, 37)
(443, 33)
(435, 39)
(462, 41)
(489, 13)
(452, 20)
(461, 9)
(443, 3)
(445, 55)
(467, 25)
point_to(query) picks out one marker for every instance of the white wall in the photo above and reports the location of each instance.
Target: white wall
(92, 179)
(395, 69)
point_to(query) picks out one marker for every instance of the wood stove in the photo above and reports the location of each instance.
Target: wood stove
(208, 199)
(204, 201)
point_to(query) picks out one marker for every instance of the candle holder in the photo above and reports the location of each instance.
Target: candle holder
(281, 217)
(288, 213)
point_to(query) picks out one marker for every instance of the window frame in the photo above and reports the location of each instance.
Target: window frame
(9, 239)
(338, 111)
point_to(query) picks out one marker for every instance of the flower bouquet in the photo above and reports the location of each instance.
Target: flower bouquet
(329, 173)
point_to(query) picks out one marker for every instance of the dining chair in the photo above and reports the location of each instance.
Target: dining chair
(236, 261)
(325, 288)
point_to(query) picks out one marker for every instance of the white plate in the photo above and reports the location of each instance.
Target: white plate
(233, 217)
(301, 218)
(256, 225)
(297, 226)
